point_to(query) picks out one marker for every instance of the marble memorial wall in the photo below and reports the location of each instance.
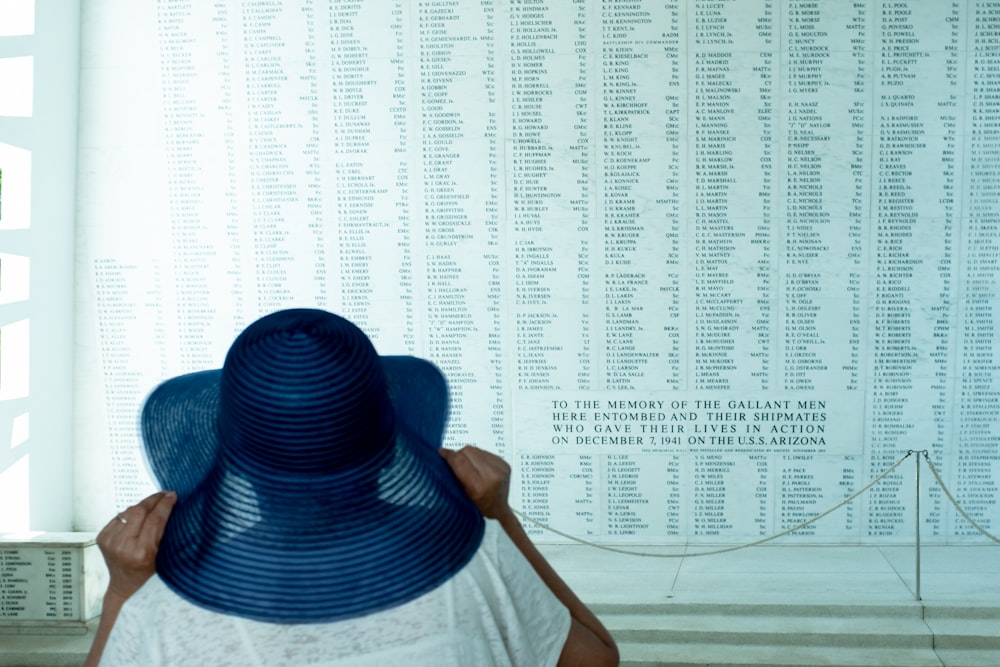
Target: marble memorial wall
(699, 269)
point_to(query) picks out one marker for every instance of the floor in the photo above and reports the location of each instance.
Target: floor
(871, 593)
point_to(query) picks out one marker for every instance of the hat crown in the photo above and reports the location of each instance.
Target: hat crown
(304, 391)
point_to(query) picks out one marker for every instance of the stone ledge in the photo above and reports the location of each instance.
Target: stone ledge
(46, 650)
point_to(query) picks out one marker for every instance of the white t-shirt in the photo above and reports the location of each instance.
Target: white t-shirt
(494, 611)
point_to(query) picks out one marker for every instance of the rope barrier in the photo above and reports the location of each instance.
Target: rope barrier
(947, 493)
(712, 552)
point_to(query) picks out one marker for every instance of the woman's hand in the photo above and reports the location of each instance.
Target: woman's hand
(129, 544)
(130, 541)
(485, 478)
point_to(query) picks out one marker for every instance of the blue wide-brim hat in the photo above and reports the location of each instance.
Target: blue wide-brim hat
(308, 480)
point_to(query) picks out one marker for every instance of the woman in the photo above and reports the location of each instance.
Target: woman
(314, 519)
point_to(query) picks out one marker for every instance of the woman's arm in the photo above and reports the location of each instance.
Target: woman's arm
(129, 543)
(486, 480)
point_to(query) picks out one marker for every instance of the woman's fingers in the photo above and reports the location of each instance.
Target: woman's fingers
(130, 540)
(484, 476)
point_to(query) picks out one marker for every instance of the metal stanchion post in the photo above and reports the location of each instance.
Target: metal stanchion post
(917, 531)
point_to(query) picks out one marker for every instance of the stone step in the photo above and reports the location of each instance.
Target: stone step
(744, 635)
(729, 655)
